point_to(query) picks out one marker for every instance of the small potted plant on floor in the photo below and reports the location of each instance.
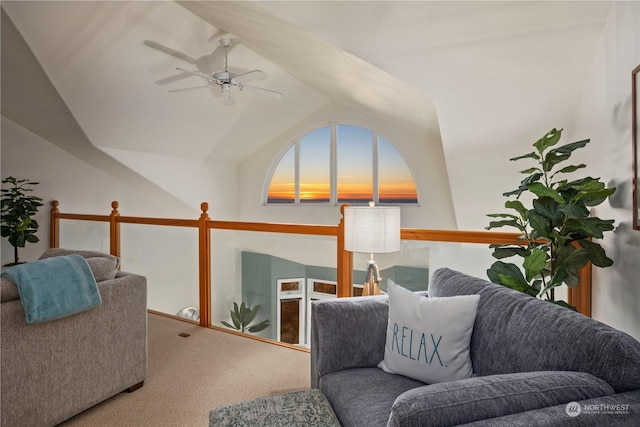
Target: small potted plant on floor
(18, 211)
(243, 316)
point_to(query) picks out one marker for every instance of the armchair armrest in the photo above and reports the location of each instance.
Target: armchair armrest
(347, 333)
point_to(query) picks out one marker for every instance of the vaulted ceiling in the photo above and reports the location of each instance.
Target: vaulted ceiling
(113, 63)
(484, 78)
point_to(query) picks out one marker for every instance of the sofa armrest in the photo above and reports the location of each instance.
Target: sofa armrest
(620, 410)
(484, 398)
(347, 333)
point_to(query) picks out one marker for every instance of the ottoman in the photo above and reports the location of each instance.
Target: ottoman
(305, 408)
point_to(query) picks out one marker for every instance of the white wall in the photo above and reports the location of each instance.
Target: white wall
(604, 116)
(190, 180)
(78, 187)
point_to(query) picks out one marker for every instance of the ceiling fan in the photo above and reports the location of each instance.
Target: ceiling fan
(228, 81)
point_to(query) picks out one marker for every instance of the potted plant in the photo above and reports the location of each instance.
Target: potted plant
(557, 229)
(243, 316)
(18, 210)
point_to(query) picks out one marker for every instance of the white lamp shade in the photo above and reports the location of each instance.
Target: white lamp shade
(373, 230)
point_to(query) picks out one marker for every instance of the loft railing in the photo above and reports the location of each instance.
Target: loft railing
(579, 296)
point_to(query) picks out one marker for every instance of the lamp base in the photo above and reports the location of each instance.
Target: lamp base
(372, 281)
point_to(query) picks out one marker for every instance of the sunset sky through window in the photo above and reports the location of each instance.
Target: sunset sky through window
(354, 164)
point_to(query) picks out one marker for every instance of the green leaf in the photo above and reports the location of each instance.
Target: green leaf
(590, 227)
(506, 252)
(550, 139)
(534, 263)
(548, 208)
(552, 159)
(500, 268)
(235, 319)
(557, 279)
(530, 170)
(259, 326)
(571, 258)
(596, 253)
(531, 155)
(523, 185)
(252, 314)
(505, 223)
(542, 190)
(574, 211)
(227, 325)
(568, 169)
(571, 147)
(594, 198)
(518, 206)
(540, 224)
(502, 215)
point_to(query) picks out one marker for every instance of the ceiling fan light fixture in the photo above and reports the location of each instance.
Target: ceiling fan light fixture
(228, 81)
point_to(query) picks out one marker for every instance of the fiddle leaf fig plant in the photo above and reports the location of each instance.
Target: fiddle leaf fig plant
(18, 209)
(556, 229)
(242, 316)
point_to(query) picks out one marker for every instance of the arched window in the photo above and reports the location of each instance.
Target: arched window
(341, 163)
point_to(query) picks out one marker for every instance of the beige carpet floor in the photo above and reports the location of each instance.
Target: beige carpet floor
(187, 377)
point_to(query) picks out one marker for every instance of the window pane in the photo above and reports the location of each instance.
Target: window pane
(282, 188)
(315, 166)
(395, 183)
(290, 321)
(354, 164)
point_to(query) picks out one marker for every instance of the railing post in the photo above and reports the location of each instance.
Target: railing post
(54, 225)
(580, 296)
(345, 261)
(204, 264)
(114, 230)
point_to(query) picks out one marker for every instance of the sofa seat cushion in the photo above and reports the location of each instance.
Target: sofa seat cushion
(364, 396)
(465, 401)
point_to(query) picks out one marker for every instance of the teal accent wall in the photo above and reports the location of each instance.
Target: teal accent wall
(412, 278)
(260, 273)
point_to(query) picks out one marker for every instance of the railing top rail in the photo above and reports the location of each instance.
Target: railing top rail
(318, 230)
(458, 236)
(83, 217)
(175, 222)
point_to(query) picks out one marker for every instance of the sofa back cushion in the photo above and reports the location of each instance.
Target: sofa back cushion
(514, 332)
(103, 266)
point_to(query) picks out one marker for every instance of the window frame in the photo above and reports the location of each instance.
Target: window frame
(333, 168)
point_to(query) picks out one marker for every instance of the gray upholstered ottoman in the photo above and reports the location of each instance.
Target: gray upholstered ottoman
(305, 408)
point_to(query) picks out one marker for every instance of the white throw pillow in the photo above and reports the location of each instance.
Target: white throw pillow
(428, 337)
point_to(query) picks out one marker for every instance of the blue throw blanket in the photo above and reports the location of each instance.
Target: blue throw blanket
(55, 287)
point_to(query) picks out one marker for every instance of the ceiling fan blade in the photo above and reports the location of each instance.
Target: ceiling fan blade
(198, 73)
(169, 51)
(260, 91)
(249, 76)
(184, 89)
(173, 78)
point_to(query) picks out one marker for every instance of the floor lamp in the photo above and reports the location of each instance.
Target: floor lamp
(372, 229)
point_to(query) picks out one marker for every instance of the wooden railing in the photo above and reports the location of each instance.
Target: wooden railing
(579, 296)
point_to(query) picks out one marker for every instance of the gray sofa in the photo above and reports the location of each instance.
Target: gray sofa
(54, 370)
(535, 364)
